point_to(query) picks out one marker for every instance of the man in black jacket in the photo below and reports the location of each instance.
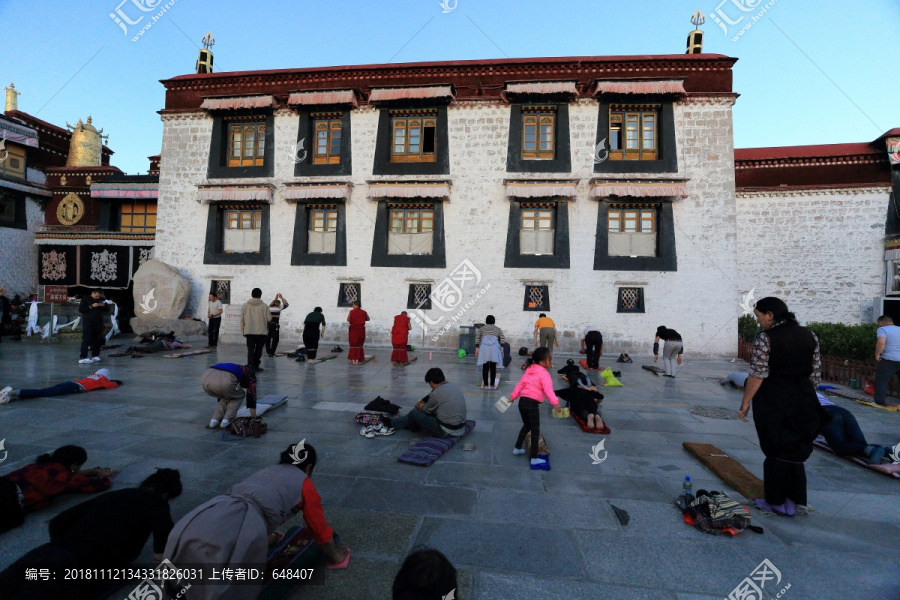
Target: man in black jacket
(92, 309)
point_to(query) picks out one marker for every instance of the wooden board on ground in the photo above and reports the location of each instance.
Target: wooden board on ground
(369, 358)
(187, 354)
(542, 444)
(653, 369)
(884, 468)
(890, 407)
(323, 359)
(728, 470)
(407, 363)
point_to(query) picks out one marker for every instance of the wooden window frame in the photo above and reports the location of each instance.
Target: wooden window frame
(131, 227)
(329, 123)
(405, 215)
(329, 218)
(400, 121)
(237, 128)
(617, 213)
(536, 117)
(645, 148)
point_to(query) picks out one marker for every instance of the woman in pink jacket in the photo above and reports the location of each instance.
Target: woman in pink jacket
(535, 385)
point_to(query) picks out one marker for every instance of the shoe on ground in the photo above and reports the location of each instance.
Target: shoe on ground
(84, 361)
(380, 429)
(628, 359)
(213, 424)
(367, 431)
(539, 464)
(258, 369)
(6, 395)
(621, 358)
(518, 451)
(96, 359)
(225, 423)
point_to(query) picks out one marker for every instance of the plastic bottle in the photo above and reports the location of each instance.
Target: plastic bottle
(686, 487)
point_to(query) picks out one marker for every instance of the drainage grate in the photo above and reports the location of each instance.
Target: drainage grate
(714, 413)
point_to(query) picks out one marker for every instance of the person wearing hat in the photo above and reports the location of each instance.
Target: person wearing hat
(97, 381)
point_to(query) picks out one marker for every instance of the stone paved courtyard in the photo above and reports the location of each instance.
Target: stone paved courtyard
(511, 532)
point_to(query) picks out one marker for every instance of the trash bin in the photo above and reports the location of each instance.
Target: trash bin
(467, 339)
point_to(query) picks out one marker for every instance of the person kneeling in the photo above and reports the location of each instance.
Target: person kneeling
(442, 413)
(584, 403)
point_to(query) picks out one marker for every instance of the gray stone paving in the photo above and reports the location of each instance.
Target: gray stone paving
(510, 531)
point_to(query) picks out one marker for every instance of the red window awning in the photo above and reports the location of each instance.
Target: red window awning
(542, 87)
(411, 93)
(638, 86)
(309, 192)
(409, 190)
(237, 102)
(134, 191)
(639, 189)
(206, 195)
(323, 97)
(527, 189)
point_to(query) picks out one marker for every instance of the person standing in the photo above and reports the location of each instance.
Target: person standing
(489, 351)
(535, 385)
(275, 307)
(255, 317)
(92, 309)
(400, 339)
(311, 333)
(214, 314)
(784, 370)
(545, 332)
(672, 349)
(887, 355)
(592, 345)
(357, 334)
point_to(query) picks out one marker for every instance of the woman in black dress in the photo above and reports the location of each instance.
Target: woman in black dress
(784, 371)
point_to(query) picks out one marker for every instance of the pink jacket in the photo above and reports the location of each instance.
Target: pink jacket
(536, 384)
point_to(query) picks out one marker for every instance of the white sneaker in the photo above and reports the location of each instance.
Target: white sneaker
(96, 359)
(367, 431)
(225, 423)
(518, 451)
(5, 394)
(212, 424)
(382, 430)
(84, 361)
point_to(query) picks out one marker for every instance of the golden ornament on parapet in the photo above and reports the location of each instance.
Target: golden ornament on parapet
(87, 180)
(70, 209)
(62, 180)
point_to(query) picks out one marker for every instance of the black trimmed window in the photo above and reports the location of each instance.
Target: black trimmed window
(419, 296)
(411, 229)
(222, 290)
(538, 224)
(409, 234)
(631, 300)
(242, 229)
(246, 141)
(538, 235)
(538, 132)
(537, 298)
(12, 210)
(242, 145)
(348, 293)
(328, 128)
(413, 136)
(322, 225)
(633, 131)
(237, 234)
(632, 229)
(320, 234)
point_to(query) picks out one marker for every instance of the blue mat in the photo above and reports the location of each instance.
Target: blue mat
(430, 449)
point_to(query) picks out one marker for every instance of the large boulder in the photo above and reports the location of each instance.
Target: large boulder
(184, 328)
(160, 292)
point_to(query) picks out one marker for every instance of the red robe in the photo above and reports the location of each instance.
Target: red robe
(357, 334)
(400, 339)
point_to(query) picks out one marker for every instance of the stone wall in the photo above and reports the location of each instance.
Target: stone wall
(699, 299)
(18, 268)
(820, 251)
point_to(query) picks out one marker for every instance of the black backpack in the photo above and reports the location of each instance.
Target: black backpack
(523, 351)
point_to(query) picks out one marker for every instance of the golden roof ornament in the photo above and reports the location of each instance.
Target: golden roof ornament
(205, 59)
(12, 97)
(695, 38)
(85, 145)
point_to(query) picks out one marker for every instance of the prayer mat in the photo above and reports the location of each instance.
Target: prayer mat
(888, 469)
(187, 354)
(313, 361)
(653, 369)
(584, 365)
(427, 451)
(297, 550)
(890, 407)
(369, 358)
(543, 448)
(407, 363)
(728, 470)
(583, 424)
(264, 405)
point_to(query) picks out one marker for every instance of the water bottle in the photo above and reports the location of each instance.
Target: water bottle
(686, 487)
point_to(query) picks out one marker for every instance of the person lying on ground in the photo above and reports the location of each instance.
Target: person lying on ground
(737, 379)
(96, 381)
(845, 437)
(571, 372)
(52, 475)
(106, 532)
(584, 403)
(442, 413)
(156, 346)
(233, 530)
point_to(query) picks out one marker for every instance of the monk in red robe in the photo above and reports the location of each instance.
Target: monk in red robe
(400, 339)
(357, 319)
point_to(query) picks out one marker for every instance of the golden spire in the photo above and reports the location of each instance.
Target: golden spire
(12, 100)
(85, 145)
(695, 38)
(205, 60)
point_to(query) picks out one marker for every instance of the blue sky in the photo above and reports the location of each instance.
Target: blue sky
(810, 72)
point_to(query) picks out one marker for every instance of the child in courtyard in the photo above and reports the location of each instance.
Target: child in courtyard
(535, 385)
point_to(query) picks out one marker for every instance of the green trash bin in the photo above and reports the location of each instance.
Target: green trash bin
(467, 339)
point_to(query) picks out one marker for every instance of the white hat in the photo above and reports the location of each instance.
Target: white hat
(104, 372)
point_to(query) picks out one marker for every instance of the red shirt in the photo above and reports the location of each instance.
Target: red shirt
(311, 505)
(42, 482)
(96, 382)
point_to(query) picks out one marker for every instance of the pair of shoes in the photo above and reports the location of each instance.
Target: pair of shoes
(627, 359)
(6, 394)
(213, 424)
(341, 565)
(84, 361)
(621, 358)
(367, 431)
(539, 464)
(382, 429)
(518, 451)
(617, 373)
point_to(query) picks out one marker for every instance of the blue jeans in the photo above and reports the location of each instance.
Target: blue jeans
(419, 420)
(61, 389)
(843, 434)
